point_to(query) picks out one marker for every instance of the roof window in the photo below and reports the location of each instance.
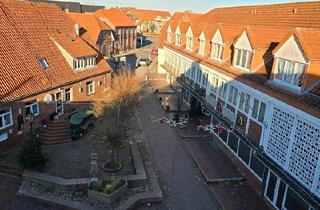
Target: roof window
(43, 63)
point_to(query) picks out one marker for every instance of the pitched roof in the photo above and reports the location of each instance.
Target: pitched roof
(26, 37)
(115, 16)
(90, 23)
(147, 15)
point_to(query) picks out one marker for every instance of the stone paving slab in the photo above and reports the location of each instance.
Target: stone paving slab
(213, 163)
(237, 196)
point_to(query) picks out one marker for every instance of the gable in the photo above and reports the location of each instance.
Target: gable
(217, 38)
(243, 42)
(178, 30)
(189, 32)
(202, 36)
(169, 29)
(291, 50)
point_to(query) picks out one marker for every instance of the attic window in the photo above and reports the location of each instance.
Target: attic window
(43, 63)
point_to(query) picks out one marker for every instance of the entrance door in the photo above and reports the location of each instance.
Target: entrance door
(59, 103)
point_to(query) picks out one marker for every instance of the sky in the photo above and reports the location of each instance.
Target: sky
(199, 6)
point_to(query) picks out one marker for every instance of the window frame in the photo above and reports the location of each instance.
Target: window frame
(217, 56)
(256, 118)
(285, 70)
(239, 59)
(92, 84)
(2, 118)
(189, 45)
(178, 39)
(202, 47)
(71, 95)
(31, 105)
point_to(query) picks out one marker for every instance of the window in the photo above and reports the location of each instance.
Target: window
(84, 62)
(178, 39)
(216, 51)
(289, 72)
(193, 72)
(32, 108)
(243, 59)
(259, 110)
(214, 84)
(90, 87)
(169, 38)
(199, 75)
(202, 47)
(43, 63)
(233, 95)
(244, 104)
(68, 95)
(204, 80)
(223, 89)
(5, 118)
(189, 43)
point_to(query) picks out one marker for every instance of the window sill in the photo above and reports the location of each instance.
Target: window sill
(242, 69)
(7, 126)
(89, 94)
(286, 86)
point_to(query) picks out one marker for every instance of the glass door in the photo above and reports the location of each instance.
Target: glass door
(59, 103)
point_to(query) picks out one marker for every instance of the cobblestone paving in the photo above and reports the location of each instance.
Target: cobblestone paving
(182, 183)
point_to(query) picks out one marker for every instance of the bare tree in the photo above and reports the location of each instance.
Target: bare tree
(122, 95)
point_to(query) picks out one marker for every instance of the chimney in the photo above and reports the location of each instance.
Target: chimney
(67, 10)
(77, 29)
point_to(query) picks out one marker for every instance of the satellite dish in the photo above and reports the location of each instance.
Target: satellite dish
(48, 98)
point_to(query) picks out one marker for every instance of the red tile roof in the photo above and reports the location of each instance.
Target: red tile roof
(268, 27)
(116, 17)
(26, 36)
(90, 23)
(147, 15)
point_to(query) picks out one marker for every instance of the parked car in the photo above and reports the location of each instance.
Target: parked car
(154, 51)
(144, 62)
(80, 123)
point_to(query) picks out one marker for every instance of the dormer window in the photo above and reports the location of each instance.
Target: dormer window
(243, 59)
(216, 51)
(83, 63)
(43, 63)
(178, 39)
(169, 38)
(202, 46)
(189, 45)
(289, 72)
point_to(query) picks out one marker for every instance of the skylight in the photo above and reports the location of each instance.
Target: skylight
(43, 63)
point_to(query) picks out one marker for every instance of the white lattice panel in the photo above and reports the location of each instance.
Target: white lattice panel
(305, 152)
(279, 137)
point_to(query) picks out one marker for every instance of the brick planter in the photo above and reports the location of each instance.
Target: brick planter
(108, 198)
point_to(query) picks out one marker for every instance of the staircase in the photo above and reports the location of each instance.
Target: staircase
(8, 171)
(56, 132)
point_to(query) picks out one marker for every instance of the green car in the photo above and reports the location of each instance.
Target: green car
(80, 123)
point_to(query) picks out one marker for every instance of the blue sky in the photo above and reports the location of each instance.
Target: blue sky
(180, 5)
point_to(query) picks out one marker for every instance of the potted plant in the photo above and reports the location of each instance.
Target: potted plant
(107, 190)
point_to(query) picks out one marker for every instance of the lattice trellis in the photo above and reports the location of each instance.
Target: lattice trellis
(279, 137)
(305, 152)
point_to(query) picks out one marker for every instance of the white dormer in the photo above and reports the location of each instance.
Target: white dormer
(243, 52)
(178, 36)
(217, 45)
(290, 63)
(202, 44)
(189, 35)
(169, 34)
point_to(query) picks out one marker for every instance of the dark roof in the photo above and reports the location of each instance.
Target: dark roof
(72, 6)
(90, 8)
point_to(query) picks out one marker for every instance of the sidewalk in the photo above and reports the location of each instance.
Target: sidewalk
(225, 180)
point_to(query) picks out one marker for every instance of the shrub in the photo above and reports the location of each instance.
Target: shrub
(106, 186)
(31, 156)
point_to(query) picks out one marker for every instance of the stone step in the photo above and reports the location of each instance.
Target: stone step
(56, 141)
(11, 172)
(45, 135)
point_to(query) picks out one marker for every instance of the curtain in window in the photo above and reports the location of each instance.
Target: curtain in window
(298, 74)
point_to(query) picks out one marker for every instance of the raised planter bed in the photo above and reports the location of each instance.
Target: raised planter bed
(108, 197)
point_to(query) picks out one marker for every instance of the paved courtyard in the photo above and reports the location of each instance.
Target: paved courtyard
(182, 183)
